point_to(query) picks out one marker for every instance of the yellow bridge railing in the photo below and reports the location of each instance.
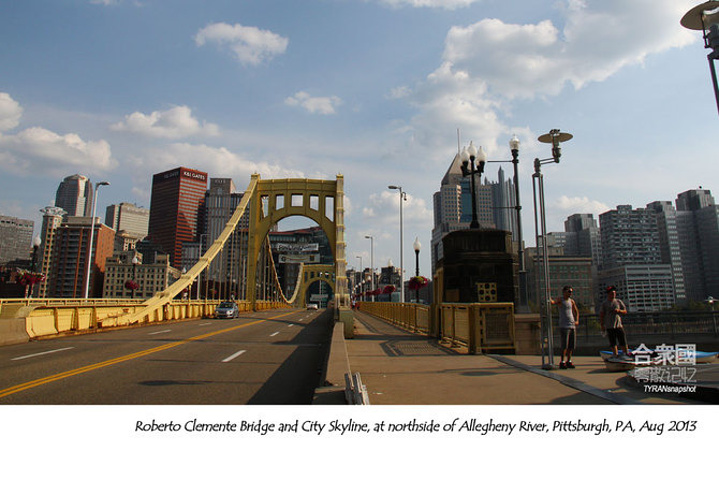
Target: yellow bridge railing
(482, 327)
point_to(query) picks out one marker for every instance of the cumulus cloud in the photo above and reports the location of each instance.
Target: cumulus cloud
(384, 207)
(487, 65)
(37, 150)
(10, 112)
(250, 45)
(320, 105)
(174, 123)
(572, 205)
(213, 160)
(599, 37)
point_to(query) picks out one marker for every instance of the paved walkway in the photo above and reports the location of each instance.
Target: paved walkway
(402, 368)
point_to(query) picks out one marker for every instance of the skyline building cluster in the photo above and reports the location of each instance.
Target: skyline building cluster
(147, 248)
(495, 202)
(658, 256)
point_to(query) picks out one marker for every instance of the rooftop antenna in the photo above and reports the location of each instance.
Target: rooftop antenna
(458, 147)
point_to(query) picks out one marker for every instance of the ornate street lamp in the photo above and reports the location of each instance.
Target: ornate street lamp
(36, 242)
(135, 261)
(468, 156)
(554, 137)
(705, 17)
(92, 236)
(417, 246)
(402, 197)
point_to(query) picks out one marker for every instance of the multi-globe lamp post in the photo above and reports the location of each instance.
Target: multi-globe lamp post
(555, 138)
(705, 17)
(92, 236)
(468, 156)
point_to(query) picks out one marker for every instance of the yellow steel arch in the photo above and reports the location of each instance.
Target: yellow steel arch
(318, 200)
(311, 274)
(270, 201)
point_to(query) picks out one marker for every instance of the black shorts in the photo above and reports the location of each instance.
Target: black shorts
(616, 337)
(567, 336)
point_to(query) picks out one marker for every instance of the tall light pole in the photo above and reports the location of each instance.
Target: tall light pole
(92, 236)
(555, 137)
(371, 261)
(514, 147)
(361, 282)
(417, 246)
(705, 17)
(135, 261)
(402, 198)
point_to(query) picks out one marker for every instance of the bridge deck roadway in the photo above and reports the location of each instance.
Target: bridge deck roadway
(402, 368)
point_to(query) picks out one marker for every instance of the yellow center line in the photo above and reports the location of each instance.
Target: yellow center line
(132, 356)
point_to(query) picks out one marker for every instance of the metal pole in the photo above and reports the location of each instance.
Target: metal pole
(545, 267)
(475, 223)
(416, 254)
(401, 247)
(542, 297)
(92, 236)
(711, 58)
(523, 301)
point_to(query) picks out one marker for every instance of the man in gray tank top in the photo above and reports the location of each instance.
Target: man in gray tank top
(568, 321)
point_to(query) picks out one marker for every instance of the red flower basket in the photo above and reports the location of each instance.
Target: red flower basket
(131, 285)
(417, 283)
(30, 278)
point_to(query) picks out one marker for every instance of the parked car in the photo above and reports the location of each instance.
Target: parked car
(312, 306)
(227, 310)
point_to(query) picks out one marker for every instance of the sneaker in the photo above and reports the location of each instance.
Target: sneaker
(570, 365)
(562, 365)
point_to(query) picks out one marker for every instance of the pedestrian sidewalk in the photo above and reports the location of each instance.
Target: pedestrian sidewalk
(402, 368)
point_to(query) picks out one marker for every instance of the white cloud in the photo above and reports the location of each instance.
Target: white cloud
(599, 38)
(215, 161)
(10, 112)
(250, 45)
(320, 105)
(384, 207)
(571, 205)
(39, 151)
(447, 4)
(174, 123)
(489, 64)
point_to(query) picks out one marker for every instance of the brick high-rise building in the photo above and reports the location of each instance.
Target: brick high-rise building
(68, 265)
(174, 205)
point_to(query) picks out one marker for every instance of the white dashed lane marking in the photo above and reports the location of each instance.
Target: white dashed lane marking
(234, 356)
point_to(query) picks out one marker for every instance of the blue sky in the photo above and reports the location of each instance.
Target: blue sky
(373, 89)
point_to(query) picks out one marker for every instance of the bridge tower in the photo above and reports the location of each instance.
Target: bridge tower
(319, 200)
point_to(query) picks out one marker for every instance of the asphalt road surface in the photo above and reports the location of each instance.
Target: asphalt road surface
(262, 358)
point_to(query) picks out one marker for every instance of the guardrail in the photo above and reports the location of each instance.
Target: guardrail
(26, 319)
(482, 327)
(412, 316)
